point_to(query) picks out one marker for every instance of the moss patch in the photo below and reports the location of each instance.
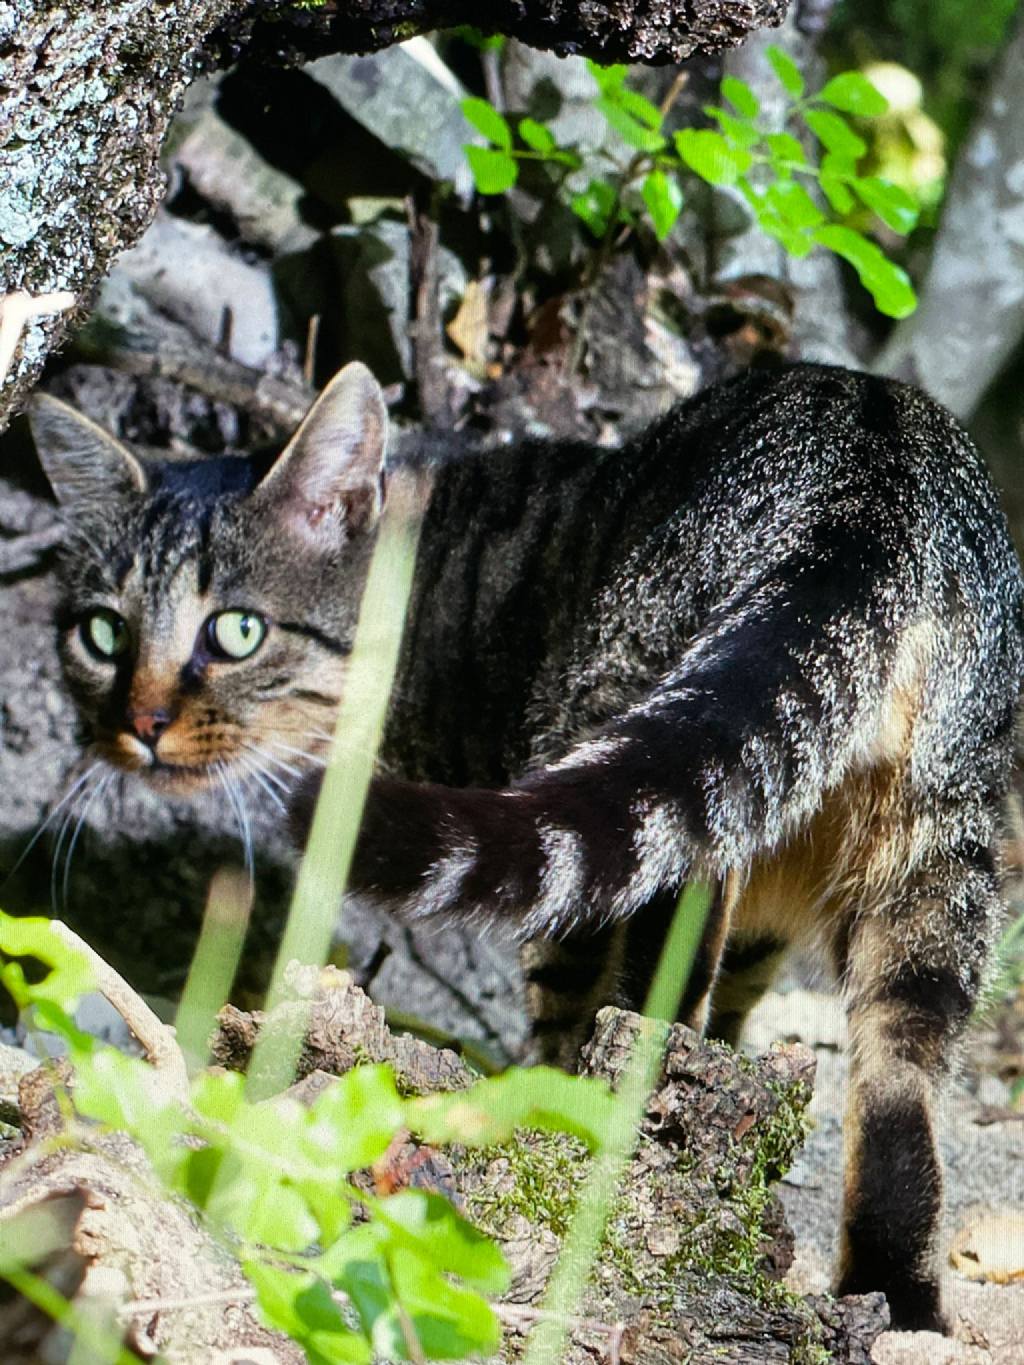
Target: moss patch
(536, 1176)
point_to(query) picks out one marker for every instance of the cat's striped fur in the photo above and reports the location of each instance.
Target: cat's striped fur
(775, 642)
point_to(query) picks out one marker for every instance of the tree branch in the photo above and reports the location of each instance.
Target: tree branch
(89, 91)
(606, 30)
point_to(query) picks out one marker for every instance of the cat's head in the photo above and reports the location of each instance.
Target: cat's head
(208, 606)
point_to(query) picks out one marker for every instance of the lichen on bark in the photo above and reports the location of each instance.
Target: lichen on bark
(87, 92)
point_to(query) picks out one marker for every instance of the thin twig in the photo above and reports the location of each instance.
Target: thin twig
(518, 1317)
(425, 325)
(608, 242)
(18, 308)
(157, 1038)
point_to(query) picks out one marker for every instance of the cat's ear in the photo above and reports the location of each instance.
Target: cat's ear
(331, 472)
(86, 466)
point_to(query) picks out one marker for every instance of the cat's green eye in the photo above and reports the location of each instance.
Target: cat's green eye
(235, 634)
(105, 634)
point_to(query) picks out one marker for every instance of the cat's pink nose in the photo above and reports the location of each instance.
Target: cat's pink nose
(149, 725)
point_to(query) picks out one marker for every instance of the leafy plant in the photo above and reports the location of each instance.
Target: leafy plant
(770, 169)
(346, 1274)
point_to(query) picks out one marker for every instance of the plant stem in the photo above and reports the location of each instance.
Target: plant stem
(583, 1240)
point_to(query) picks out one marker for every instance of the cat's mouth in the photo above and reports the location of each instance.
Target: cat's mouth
(182, 779)
(169, 776)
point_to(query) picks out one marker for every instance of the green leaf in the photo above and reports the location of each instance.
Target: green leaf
(493, 172)
(793, 205)
(302, 1305)
(486, 119)
(490, 1111)
(894, 206)
(887, 284)
(711, 156)
(219, 1096)
(536, 135)
(595, 205)
(484, 42)
(786, 70)
(740, 96)
(450, 1322)
(427, 1223)
(70, 976)
(355, 1264)
(248, 1198)
(628, 128)
(372, 1270)
(853, 94)
(836, 192)
(640, 107)
(609, 78)
(796, 241)
(124, 1092)
(785, 151)
(743, 134)
(835, 133)
(352, 1122)
(664, 200)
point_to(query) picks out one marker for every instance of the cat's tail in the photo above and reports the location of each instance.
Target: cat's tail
(784, 690)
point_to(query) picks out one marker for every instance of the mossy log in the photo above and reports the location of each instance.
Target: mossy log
(87, 92)
(691, 1265)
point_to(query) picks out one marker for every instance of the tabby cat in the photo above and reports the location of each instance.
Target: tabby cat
(774, 642)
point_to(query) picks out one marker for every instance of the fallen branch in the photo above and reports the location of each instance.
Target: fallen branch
(157, 1038)
(606, 30)
(179, 1291)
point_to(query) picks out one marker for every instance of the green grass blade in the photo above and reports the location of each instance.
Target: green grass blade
(316, 901)
(225, 921)
(582, 1242)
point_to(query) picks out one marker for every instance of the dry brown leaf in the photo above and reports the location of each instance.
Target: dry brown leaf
(990, 1247)
(469, 327)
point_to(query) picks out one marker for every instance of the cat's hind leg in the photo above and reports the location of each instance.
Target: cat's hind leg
(568, 980)
(749, 964)
(911, 969)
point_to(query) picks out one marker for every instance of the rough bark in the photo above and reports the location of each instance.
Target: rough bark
(714, 1125)
(970, 317)
(606, 30)
(88, 93)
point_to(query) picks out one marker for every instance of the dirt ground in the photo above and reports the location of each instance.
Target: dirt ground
(982, 1140)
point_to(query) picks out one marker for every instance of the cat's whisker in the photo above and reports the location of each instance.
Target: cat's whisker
(328, 739)
(102, 784)
(58, 849)
(262, 753)
(308, 754)
(257, 769)
(241, 815)
(45, 824)
(261, 776)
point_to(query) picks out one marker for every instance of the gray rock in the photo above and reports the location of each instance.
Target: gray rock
(374, 293)
(189, 272)
(379, 90)
(229, 173)
(15, 1062)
